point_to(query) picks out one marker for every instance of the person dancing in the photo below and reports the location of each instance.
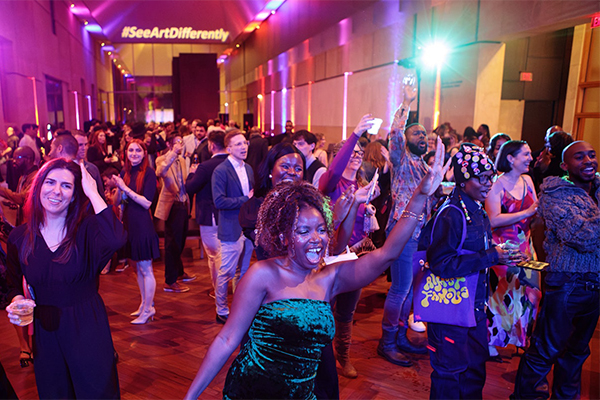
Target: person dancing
(60, 252)
(284, 300)
(138, 183)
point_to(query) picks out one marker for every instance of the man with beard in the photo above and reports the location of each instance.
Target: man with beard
(571, 297)
(406, 146)
(25, 168)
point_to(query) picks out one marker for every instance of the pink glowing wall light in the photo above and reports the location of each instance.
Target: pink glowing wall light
(272, 110)
(89, 101)
(345, 109)
(283, 106)
(76, 110)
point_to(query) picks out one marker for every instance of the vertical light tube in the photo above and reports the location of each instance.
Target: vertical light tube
(309, 122)
(89, 99)
(35, 102)
(437, 95)
(293, 104)
(345, 110)
(283, 106)
(76, 110)
(272, 110)
(259, 112)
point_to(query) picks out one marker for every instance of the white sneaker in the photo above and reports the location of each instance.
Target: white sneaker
(416, 326)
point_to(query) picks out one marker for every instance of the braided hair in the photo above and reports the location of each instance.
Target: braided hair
(278, 214)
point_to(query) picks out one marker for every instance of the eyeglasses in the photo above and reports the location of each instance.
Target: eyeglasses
(358, 153)
(484, 179)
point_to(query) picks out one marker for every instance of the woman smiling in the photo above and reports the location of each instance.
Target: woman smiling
(60, 252)
(284, 300)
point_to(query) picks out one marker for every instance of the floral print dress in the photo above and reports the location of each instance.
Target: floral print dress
(515, 291)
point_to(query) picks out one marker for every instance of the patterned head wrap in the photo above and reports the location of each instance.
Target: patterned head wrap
(470, 161)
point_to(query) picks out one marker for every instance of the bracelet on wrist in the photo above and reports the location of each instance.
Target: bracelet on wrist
(410, 214)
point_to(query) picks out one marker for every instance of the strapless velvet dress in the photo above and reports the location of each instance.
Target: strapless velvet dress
(281, 358)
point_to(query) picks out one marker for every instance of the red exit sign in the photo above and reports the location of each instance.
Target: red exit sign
(595, 21)
(526, 76)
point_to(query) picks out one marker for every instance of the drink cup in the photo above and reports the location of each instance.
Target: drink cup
(24, 309)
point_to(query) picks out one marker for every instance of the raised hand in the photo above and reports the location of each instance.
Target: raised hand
(364, 124)
(342, 205)
(90, 188)
(436, 173)
(119, 182)
(363, 193)
(409, 89)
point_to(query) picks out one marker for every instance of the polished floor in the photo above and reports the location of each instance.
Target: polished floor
(159, 360)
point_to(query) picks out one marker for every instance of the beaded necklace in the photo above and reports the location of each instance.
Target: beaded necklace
(464, 207)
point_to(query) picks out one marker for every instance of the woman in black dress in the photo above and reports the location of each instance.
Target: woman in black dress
(60, 251)
(138, 185)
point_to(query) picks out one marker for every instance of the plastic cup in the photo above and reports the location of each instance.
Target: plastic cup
(24, 309)
(448, 187)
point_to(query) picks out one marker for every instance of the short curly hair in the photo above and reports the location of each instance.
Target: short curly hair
(278, 214)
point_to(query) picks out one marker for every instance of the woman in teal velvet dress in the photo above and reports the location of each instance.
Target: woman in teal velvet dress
(284, 300)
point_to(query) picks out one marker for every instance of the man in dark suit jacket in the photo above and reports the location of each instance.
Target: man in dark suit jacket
(232, 185)
(199, 182)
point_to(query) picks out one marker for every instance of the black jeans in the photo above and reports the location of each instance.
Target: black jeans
(176, 227)
(562, 334)
(458, 357)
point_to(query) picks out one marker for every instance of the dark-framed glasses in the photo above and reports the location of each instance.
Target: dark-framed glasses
(484, 179)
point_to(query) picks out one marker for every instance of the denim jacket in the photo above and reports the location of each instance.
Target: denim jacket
(442, 254)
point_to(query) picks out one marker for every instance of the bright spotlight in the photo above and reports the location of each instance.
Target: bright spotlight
(260, 96)
(434, 54)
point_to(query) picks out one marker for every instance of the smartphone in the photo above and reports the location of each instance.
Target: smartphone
(374, 129)
(532, 264)
(372, 190)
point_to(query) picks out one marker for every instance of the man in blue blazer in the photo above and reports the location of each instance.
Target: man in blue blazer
(199, 182)
(232, 186)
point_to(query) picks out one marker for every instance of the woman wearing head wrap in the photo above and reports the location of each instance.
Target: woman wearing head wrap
(458, 354)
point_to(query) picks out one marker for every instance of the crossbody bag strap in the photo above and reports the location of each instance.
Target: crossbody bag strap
(464, 230)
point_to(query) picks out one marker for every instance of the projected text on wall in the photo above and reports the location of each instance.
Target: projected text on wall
(133, 32)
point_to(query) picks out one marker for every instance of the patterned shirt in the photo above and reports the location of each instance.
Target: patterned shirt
(407, 171)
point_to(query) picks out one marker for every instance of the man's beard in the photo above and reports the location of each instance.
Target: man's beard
(415, 149)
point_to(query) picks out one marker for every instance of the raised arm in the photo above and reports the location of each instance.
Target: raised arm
(344, 232)
(149, 190)
(164, 163)
(355, 274)
(90, 188)
(397, 141)
(330, 179)
(248, 298)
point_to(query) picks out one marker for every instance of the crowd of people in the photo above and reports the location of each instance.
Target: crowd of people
(322, 223)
